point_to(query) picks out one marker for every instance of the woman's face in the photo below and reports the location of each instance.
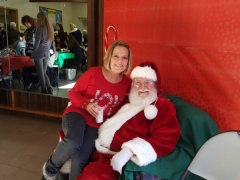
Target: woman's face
(28, 25)
(119, 59)
(57, 39)
(58, 28)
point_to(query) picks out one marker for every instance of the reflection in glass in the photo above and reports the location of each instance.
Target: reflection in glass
(71, 13)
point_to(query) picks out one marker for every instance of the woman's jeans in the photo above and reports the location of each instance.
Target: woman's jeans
(78, 144)
(41, 66)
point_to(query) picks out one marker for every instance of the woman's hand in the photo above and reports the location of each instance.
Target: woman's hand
(93, 109)
(65, 50)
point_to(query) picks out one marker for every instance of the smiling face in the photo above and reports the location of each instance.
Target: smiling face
(143, 86)
(143, 91)
(119, 59)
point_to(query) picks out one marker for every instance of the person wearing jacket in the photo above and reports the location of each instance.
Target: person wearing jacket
(61, 34)
(76, 33)
(19, 45)
(41, 50)
(2, 36)
(13, 34)
(77, 50)
(28, 78)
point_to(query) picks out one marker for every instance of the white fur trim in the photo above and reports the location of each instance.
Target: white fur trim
(66, 169)
(110, 126)
(74, 29)
(102, 149)
(144, 72)
(142, 150)
(150, 112)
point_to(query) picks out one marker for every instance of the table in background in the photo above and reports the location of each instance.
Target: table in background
(15, 63)
(62, 56)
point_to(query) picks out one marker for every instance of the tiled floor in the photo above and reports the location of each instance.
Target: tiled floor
(26, 142)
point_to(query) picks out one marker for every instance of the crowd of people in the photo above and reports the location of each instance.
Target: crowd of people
(36, 42)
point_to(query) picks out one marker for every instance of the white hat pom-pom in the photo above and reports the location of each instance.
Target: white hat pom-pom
(150, 112)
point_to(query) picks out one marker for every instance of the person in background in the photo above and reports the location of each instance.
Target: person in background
(76, 33)
(41, 50)
(85, 38)
(74, 47)
(19, 45)
(59, 44)
(29, 22)
(12, 34)
(142, 130)
(28, 79)
(2, 36)
(99, 88)
(61, 33)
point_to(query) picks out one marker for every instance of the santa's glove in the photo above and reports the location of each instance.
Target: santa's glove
(120, 159)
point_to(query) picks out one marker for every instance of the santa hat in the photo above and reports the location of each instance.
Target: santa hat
(149, 70)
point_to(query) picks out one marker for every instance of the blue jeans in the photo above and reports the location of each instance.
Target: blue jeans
(78, 144)
(41, 66)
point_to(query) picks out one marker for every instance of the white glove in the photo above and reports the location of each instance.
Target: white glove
(120, 159)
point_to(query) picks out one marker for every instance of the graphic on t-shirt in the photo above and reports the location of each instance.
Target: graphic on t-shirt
(111, 101)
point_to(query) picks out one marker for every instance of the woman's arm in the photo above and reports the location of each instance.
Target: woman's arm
(66, 50)
(76, 94)
(38, 38)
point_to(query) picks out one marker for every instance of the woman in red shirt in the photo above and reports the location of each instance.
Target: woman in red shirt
(99, 88)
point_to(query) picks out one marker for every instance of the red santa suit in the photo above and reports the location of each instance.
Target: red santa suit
(148, 134)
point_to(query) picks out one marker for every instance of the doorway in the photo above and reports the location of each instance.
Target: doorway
(11, 15)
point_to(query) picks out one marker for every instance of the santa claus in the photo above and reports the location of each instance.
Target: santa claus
(144, 129)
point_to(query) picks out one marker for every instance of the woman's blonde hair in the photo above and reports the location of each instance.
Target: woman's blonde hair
(108, 56)
(72, 26)
(43, 21)
(84, 31)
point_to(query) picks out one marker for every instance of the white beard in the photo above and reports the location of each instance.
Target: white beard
(110, 126)
(135, 99)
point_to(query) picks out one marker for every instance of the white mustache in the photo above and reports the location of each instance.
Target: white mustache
(144, 90)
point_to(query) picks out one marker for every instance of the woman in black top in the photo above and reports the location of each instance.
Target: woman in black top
(28, 78)
(76, 33)
(61, 33)
(59, 44)
(2, 36)
(74, 47)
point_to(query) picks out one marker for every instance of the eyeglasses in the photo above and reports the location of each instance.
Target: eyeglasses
(148, 83)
